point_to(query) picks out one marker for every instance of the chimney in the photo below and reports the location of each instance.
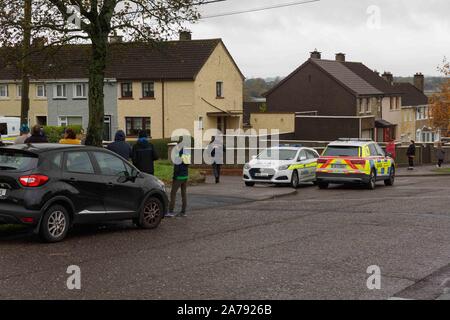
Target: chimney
(316, 54)
(185, 35)
(375, 71)
(388, 77)
(340, 57)
(419, 81)
(115, 39)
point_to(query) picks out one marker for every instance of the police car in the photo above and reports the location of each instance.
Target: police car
(355, 161)
(282, 165)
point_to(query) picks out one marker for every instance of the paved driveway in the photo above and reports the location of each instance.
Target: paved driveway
(315, 244)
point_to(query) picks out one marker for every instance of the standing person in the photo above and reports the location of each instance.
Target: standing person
(180, 180)
(70, 137)
(144, 154)
(120, 146)
(440, 155)
(217, 155)
(37, 135)
(24, 134)
(411, 153)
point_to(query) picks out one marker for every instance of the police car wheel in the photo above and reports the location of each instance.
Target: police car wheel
(295, 180)
(372, 180)
(249, 184)
(322, 185)
(390, 181)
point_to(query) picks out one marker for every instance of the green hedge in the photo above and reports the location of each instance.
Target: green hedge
(55, 133)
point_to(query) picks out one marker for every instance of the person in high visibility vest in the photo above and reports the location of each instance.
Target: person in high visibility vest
(180, 181)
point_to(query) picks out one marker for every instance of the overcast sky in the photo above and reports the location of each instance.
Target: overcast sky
(410, 35)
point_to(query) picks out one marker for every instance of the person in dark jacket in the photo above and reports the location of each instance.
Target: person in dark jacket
(120, 146)
(143, 154)
(440, 155)
(411, 153)
(217, 154)
(180, 180)
(37, 135)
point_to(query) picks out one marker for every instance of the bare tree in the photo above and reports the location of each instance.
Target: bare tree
(73, 21)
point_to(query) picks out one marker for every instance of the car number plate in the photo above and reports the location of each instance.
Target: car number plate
(261, 174)
(2, 192)
(339, 166)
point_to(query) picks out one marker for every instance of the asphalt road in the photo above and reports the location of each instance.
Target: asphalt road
(316, 244)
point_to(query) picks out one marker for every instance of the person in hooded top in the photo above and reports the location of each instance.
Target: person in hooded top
(143, 154)
(120, 146)
(37, 135)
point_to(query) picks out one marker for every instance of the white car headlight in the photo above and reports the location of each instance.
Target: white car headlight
(285, 167)
(246, 166)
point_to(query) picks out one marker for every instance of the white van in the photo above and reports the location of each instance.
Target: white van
(9, 127)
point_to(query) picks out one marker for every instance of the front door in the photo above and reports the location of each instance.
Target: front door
(122, 197)
(86, 187)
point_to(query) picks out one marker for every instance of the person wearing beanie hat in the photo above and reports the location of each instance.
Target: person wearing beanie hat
(143, 154)
(24, 134)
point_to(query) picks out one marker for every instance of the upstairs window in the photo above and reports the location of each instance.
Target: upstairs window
(127, 90)
(60, 91)
(148, 90)
(80, 91)
(19, 91)
(41, 91)
(219, 89)
(3, 91)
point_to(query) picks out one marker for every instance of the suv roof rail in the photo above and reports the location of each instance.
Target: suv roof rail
(355, 139)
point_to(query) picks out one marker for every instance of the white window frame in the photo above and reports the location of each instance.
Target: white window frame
(65, 122)
(200, 123)
(44, 91)
(4, 85)
(84, 90)
(55, 91)
(222, 95)
(19, 90)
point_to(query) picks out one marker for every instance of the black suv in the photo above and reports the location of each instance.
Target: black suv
(53, 186)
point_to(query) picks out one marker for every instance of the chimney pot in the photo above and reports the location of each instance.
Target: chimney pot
(316, 54)
(185, 35)
(419, 81)
(340, 57)
(388, 77)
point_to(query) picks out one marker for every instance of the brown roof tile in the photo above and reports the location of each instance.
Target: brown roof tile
(411, 96)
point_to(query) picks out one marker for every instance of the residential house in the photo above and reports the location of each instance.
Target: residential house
(157, 87)
(416, 112)
(337, 98)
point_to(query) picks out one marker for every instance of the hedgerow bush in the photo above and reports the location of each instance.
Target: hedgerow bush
(56, 133)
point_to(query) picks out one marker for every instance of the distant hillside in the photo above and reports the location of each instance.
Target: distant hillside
(254, 88)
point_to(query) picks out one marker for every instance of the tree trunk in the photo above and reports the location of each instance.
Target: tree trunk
(96, 95)
(25, 99)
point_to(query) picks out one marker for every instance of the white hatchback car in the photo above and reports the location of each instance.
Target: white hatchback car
(282, 165)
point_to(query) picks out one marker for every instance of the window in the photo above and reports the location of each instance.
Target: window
(312, 154)
(65, 121)
(127, 90)
(341, 151)
(421, 113)
(219, 89)
(148, 89)
(392, 103)
(302, 156)
(200, 123)
(80, 91)
(373, 150)
(368, 109)
(363, 105)
(79, 162)
(109, 164)
(136, 124)
(379, 150)
(19, 91)
(399, 103)
(59, 91)
(41, 92)
(3, 91)
(52, 162)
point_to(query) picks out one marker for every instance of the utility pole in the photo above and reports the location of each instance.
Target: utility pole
(25, 63)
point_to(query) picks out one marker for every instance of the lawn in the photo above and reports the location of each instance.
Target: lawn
(442, 170)
(164, 171)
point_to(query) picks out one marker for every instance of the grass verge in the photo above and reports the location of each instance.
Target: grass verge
(164, 172)
(442, 170)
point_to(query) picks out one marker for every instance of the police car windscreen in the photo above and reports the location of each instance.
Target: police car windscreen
(341, 151)
(277, 154)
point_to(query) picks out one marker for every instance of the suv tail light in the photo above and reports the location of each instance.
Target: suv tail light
(35, 180)
(359, 162)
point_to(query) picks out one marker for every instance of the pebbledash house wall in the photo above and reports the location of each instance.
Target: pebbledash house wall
(79, 107)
